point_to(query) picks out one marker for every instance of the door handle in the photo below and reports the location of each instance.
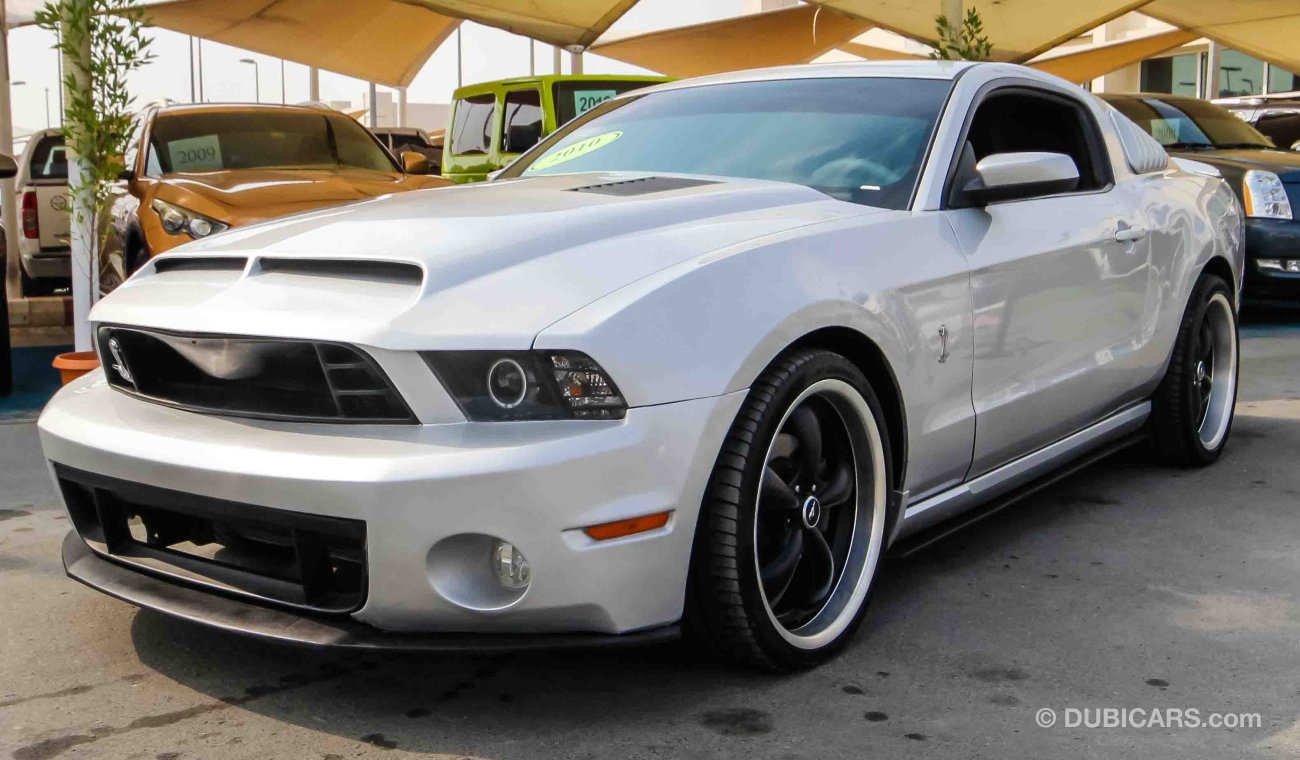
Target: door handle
(1129, 234)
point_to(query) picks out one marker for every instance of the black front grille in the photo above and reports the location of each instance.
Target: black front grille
(266, 378)
(308, 562)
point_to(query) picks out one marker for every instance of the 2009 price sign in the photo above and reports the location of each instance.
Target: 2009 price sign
(195, 154)
(585, 100)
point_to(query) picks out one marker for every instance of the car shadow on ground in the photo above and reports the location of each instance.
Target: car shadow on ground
(670, 696)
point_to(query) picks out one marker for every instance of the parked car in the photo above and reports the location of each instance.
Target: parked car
(194, 170)
(697, 359)
(400, 140)
(1276, 118)
(44, 242)
(492, 123)
(1264, 178)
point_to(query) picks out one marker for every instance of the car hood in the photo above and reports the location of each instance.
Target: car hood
(1285, 163)
(479, 266)
(245, 196)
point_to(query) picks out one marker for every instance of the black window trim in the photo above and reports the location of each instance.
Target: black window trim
(1094, 138)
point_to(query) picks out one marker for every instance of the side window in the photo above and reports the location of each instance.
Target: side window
(471, 130)
(523, 121)
(1018, 120)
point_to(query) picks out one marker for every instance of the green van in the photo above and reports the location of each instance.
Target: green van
(493, 122)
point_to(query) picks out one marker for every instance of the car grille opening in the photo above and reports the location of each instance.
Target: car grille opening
(267, 378)
(303, 561)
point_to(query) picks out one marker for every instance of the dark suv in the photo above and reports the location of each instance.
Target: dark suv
(1265, 178)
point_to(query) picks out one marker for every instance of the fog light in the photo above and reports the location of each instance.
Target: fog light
(1275, 265)
(510, 565)
(1293, 265)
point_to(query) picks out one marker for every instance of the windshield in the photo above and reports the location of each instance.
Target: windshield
(858, 139)
(1190, 123)
(223, 140)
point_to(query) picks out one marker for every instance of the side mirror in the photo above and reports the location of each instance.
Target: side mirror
(415, 163)
(1009, 176)
(8, 167)
(1295, 145)
(127, 175)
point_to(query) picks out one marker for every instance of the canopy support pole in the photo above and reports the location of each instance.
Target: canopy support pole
(85, 270)
(374, 106)
(8, 198)
(555, 60)
(575, 59)
(1213, 60)
(313, 84)
(401, 106)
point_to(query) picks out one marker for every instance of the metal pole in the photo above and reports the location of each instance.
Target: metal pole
(282, 97)
(374, 106)
(313, 84)
(47, 108)
(8, 194)
(460, 72)
(532, 57)
(58, 36)
(85, 269)
(200, 48)
(191, 68)
(10, 215)
(401, 107)
(555, 60)
(575, 60)
(1212, 63)
(257, 83)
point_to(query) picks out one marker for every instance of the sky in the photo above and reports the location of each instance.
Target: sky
(487, 54)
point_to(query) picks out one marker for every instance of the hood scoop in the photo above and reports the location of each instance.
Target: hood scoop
(642, 186)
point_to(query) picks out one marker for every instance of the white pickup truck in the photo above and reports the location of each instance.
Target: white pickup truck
(44, 218)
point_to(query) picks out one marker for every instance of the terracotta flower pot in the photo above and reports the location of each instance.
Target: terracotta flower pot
(74, 364)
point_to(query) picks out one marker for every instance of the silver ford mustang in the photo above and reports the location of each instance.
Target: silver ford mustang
(693, 363)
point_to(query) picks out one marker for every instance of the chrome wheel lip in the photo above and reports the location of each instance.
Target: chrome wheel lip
(1213, 424)
(867, 538)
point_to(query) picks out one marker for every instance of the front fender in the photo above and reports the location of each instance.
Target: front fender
(710, 325)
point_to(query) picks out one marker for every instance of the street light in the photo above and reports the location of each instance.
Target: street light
(257, 79)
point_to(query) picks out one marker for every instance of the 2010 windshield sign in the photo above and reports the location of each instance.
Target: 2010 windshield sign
(576, 150)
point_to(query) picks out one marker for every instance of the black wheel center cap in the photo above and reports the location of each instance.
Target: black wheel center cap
(811, 512)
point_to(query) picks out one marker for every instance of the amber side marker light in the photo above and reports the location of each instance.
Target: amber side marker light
(628, 527)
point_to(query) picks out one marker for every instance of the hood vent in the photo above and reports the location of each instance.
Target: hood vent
(203, 264)
(642, 186)
(350, 269)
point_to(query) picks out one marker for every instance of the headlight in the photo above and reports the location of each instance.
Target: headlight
(1265, 196)
(527, 385)
(176, 220)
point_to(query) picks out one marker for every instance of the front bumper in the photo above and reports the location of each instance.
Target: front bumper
(1271, 239)
(287, 627)
(420, 489)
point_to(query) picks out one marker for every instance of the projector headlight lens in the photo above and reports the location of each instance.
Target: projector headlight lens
(177, 219)
(493, 386)
(1265, 196)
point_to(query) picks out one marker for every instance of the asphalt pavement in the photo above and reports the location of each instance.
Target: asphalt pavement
(1127, 587)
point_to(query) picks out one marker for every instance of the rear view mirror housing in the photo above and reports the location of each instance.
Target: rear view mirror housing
(416, 163)
(1012, 176)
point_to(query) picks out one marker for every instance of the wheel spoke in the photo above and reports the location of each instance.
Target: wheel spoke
(775, 493)
(818, 597)
(840, 487)
(777, 574)
(808, 431)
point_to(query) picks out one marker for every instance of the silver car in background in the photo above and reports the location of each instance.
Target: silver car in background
(694, 362)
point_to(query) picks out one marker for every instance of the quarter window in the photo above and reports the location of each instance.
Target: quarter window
(471, 130)
(522, 126)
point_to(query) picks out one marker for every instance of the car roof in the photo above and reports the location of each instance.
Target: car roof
(227, 107)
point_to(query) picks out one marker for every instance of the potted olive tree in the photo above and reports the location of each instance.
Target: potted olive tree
(102, 42)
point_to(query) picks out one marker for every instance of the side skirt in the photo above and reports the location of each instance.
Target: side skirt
(945, 513)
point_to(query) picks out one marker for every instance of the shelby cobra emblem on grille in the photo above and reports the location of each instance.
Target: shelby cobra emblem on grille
(119, 364)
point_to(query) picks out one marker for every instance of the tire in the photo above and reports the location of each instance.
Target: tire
(1192, 409)
(810, 609)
